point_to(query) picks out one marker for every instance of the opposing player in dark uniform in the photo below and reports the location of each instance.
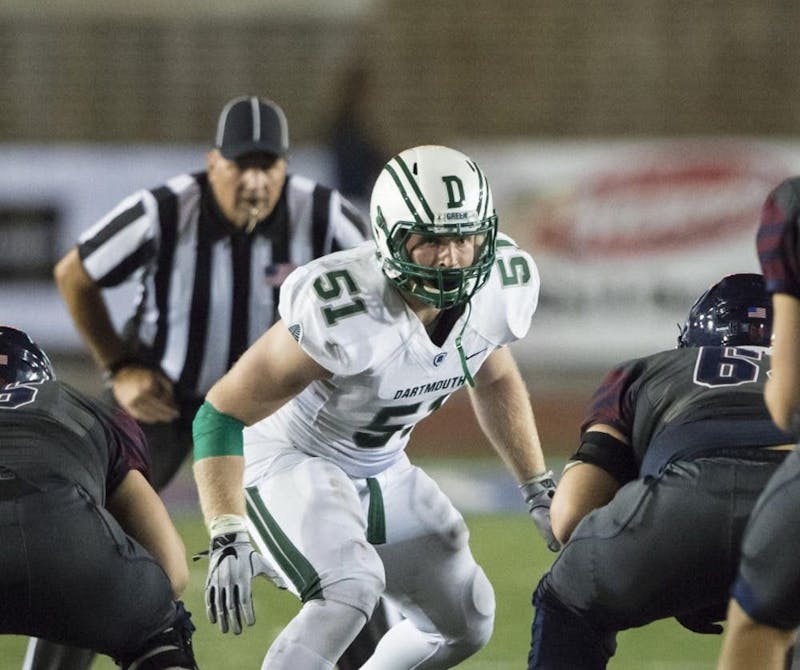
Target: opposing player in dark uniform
(88, 554)
(765, 609)
(675, 449)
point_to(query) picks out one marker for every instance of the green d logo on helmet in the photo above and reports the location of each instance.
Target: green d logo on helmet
(454, 185)
(433, 191)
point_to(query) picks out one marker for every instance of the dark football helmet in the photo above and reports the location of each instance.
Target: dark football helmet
(21, 359)
(736, 311)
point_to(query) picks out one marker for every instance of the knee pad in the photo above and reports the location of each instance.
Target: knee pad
(170, 649)
(479, 609)
(482, 594)
(361, 584)
(447, 649)
(562, 637)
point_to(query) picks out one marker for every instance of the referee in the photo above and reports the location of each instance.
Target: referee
(208, 252)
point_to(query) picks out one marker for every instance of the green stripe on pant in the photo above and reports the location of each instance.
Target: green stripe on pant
(296, 567)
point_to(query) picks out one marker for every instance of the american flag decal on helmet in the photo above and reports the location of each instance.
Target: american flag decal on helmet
(757, 312)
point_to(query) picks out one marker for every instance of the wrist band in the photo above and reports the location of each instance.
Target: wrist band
(537, 479)
(227, 523)
(535, 484)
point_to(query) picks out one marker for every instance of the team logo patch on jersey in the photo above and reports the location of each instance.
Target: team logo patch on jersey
(438, 359)
(296, 331)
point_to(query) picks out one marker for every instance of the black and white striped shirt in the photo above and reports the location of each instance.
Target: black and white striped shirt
(207, 290)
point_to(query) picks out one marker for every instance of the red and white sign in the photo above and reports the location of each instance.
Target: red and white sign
(627, 234)
(673, 198)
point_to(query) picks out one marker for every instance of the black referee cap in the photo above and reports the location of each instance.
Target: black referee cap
(251, 125)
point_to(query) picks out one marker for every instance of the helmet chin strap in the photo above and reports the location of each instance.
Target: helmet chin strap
(459, 346)
(462, 356)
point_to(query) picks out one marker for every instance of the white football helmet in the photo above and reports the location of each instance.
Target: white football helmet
(433, 191)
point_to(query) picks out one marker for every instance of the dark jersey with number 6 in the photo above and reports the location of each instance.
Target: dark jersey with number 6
(686, 402)
(51, 432)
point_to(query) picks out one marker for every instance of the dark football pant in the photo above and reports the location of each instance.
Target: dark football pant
(68, 573)
(665, 547)
(768, 584)
(170, 444)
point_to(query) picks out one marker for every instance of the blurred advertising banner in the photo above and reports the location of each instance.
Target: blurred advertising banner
(627, 235)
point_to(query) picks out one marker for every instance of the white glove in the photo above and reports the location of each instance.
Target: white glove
(538, 492)
(233, 562)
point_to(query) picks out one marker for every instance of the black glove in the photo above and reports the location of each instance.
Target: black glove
(538, 492)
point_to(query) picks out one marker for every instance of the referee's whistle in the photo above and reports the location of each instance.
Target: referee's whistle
(253, 220)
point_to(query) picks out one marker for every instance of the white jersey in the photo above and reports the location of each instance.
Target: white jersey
(387, 374)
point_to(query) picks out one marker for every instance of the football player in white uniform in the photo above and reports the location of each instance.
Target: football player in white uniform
(305, 437)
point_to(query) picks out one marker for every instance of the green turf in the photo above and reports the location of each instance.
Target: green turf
(512, 555)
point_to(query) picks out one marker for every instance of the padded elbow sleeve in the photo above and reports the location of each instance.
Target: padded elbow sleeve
(216, 434)
(607, 452)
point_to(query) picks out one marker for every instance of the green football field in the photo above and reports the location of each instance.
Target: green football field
(514, 558)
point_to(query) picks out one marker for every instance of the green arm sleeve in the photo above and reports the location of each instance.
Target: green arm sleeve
(216, 434)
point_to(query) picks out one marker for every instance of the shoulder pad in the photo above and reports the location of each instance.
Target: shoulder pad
(334, 307)
(506, 304)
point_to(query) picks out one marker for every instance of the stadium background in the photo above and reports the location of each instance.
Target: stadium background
(629, 144)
